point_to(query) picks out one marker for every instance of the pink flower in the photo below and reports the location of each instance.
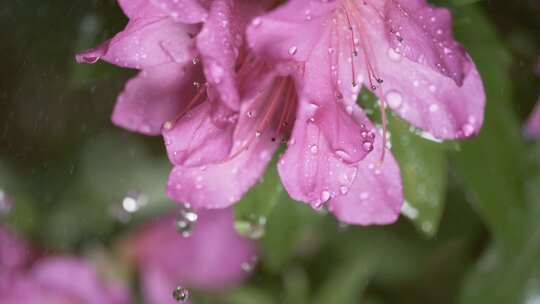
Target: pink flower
(14, 253)
(532, 128)
(51, 280)
(404, 52)
(211, 258)
(166, 39)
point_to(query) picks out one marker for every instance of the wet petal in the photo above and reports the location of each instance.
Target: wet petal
(185, 11)
(423, 34)
(203, 135)
(155, 96)
(291, 30)
(146, 43)
(420, 94)
(135, 9)
(376, 196)
(204, 186)
(319, 163)
(220, 43)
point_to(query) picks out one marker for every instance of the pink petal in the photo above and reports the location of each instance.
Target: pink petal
(135, 9)
(376, 196)
(203, 135)
(312, 169)
(220, 43)
(291, 30)
(423, 96)
(211, 258)
(14, 253)
(205, 186)
(154, 96)
(185, 11)
(532, 129)
(71, 276)
(423, 34)
(144, 43)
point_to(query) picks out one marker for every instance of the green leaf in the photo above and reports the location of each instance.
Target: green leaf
(491, 166)
(282, 224)
(423, 171)
(346, 283)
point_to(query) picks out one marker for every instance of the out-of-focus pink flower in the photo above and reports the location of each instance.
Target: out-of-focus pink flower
(14, 253)
(532, 128)
(211, 258)
(50, 280)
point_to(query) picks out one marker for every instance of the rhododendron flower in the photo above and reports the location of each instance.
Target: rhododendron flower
(166, 40)
(211, 258)
(532, 128)
(403, 51)
(51, 280)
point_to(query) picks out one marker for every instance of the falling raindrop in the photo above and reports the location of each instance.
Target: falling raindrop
(249, 265)
(133, 201)
(185, 221)
(180, 294)
(5, 203)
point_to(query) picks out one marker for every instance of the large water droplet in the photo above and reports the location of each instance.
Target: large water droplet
(180, 294)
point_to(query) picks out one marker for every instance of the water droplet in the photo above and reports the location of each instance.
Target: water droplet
(180, 294)
(468, 129)
(367, 146)
(293, 50)
(133, 201)
(253, 227)
(5, 203)
(256, 22)
(344, 190)
(394, 99)
(196, 60)
(314, 149)
(325, 196)
(249, 266)
(393, 55)
(185, 221)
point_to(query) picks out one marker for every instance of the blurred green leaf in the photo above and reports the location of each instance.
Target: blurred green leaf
(296, 286)
(423, 170)
(491, 166)
(282, 224)
(345, 284)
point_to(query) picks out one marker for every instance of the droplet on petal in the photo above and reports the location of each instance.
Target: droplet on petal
(180, 294)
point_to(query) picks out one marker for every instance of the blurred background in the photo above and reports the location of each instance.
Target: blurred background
(72, 183)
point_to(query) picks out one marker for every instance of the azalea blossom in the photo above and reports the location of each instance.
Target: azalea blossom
(296, 83)
(403, 51)
(51, 280)
(213, 257)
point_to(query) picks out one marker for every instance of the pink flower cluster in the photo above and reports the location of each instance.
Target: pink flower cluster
(50, 280)
(225, 82)
(214, 257)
